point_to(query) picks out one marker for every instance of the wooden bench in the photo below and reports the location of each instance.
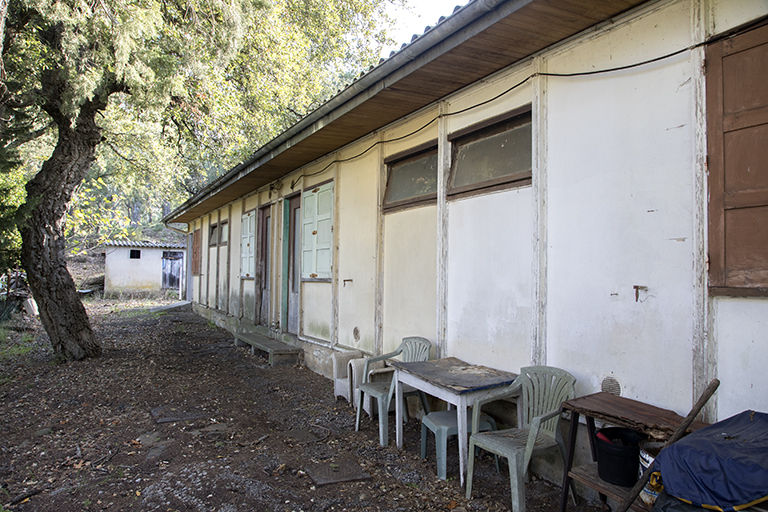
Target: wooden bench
(279, 352)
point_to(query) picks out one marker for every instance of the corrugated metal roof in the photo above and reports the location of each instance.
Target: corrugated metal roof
(144, 244)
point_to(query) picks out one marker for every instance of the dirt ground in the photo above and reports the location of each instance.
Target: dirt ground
(174, 417)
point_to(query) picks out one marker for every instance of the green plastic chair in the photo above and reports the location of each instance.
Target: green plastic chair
(543, 389)
(444, 424)
(413, 348)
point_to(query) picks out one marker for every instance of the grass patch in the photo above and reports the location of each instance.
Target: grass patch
(7, 351)
(10, 348)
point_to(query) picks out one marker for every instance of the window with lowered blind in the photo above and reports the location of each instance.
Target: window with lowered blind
(737, 160)
(317, 232)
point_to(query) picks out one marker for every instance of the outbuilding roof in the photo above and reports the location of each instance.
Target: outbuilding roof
(474, 42)
(145, 244)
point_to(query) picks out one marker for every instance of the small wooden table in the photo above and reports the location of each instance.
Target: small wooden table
(452, 380)
(658, 423)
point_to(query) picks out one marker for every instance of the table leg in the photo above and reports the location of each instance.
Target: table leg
(591, 430)
(461, 414)
(398, 409)
(591, 434)
(569, 459)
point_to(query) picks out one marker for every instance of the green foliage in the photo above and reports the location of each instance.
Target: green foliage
(12, 196)
(194, 87)
(94, 218)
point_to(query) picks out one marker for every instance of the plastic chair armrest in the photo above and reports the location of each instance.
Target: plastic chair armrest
(511, 391)
(382, 357)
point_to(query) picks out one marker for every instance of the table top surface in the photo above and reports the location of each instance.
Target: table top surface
(456, 375)
(617, 410)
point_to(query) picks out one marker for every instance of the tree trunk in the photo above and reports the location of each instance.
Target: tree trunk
(43, 244)
(134, 209)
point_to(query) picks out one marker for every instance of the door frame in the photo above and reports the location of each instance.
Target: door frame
(291, 237)
(264, 263)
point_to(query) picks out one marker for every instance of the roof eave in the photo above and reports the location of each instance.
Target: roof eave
(280, 156)
(356, 93)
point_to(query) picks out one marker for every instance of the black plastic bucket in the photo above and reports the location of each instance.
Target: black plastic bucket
(618, 461)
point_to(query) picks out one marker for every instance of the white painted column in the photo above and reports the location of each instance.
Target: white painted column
(539, 242)
(443, 171)
(378, 337)
(704, 348)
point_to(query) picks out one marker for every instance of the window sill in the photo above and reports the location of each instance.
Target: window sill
(724, 291)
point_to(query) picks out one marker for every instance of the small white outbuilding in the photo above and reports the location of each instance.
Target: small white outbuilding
(143, 267)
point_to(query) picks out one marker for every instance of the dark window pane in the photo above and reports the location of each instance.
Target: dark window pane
(497, 155)
(414, 179)
(135, 254)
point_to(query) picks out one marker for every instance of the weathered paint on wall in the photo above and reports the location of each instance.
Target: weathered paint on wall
(741, 330)
(410, 278)
(357, 223)
(317, 318)
(489, 279)
(213, 262)
(490, 240)
(235, 233)
(620, 211)
(727, 14)
(614, 213)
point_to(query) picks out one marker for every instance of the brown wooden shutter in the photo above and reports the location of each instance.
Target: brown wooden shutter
(737, 125)
(197, 240)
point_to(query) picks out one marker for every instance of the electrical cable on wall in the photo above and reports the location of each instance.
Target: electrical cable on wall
(501, 94)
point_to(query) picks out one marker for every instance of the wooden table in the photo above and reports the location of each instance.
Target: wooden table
(452, 380)
(658, 423)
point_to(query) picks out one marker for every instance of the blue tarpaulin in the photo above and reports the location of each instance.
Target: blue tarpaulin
(721, 467)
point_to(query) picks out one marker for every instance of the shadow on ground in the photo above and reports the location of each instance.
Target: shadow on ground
(174, 417)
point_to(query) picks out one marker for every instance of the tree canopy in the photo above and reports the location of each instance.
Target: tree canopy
(157, 96)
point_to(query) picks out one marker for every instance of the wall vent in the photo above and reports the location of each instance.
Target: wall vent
(611, 385)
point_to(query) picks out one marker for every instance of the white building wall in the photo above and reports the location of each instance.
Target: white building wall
(617, 190)
(317, 310)
(620, 213)
(724, 15)
(357, 225)
(489, 279)
(410, 277)
(741, 330)
(490, 240)
(123, 274)
(213, 262)
(235, 233)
